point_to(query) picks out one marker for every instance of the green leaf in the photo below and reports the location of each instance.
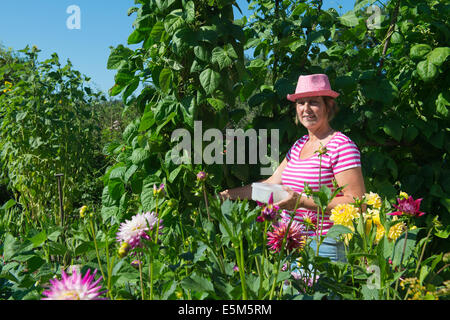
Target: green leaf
(109, 213)
(118, 56)
(139, 155)
(441, 104)
(349, 19)
(299, 9)
(135, 37)
(116, 89)
(202, 53)
(419, 51)
(157, 31)
(189, 9)
(118, 171)
(439, 55)
(410, 133)
(165, 80)
(130, 88)
(115, 188)
(197, 283)
(173, 175)
(39, 239)
(210, 80)
(427, 71)
(9, 204)
(84, 247)
(217, 104)
(147, 121)
(394, 129)
(400, 248)
(220, 57)
(11, 246)
(173, 21)
(147, 197)
(336, 230)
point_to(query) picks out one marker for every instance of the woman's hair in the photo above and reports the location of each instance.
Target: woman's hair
(332, 107)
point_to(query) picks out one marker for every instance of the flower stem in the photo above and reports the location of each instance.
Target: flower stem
(423, 250)
(403, 254)
(150, 271)
(140, 278)
(241, 273)
(96, 249)
(206, 201)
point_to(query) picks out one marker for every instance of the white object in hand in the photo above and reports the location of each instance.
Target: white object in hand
(261, 192)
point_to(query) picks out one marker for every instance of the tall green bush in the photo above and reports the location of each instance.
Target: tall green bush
(47, 126)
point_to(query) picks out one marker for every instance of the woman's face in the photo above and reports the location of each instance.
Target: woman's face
(312, 112)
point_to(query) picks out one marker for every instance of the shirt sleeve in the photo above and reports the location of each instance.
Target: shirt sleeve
(346, 156)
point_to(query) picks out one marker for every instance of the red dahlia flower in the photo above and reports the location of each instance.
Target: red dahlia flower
(408, 207)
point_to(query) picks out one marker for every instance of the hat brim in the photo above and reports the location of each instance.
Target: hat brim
(327, 93)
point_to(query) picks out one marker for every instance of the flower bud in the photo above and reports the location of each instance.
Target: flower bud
(171, 203)
(123, 250)
(201, 176)
(83, 211)
(322, 150)
(136, 263)
(158, 191)
(446, 258)
(403, 195)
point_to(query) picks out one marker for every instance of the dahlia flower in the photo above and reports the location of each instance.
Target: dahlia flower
(373, 215)
(269, 211)
(408, 206)
(396, 230)
(74, 287)
(344, 214)
(373, 199)
(309, 218)
(295, 238)
(201, 176)
(134, 230)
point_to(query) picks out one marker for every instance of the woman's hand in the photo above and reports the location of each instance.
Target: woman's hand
(224, 195)
(289, 202)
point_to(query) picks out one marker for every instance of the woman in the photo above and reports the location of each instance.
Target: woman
(315, 107)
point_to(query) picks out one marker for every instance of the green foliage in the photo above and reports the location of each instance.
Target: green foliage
(394, 104)
(47, 126)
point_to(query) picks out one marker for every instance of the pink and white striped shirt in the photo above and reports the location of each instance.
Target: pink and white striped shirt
(342, 154)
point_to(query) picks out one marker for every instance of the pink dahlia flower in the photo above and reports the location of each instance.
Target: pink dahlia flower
(134, 230)
(75, 287)
(269, 211)
(295, 239)
(409, 207)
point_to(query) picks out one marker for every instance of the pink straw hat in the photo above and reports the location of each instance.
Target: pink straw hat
(312, 86)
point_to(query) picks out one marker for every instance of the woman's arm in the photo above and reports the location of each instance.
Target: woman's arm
(353, 181)
(245, 192)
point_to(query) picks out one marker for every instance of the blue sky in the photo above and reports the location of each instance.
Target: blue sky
(104, 23)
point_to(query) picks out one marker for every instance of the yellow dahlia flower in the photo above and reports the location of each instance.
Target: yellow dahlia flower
(396, 230)
(373, 199)
(373, 216)
(344, 214)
